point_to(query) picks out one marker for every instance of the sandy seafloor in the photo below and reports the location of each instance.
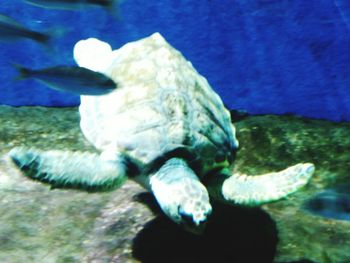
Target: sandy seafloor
(42, 225)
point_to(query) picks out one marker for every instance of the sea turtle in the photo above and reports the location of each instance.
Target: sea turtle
(164, 127)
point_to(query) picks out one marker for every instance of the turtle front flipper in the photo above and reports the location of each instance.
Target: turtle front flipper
(64, 169)
(256, 190)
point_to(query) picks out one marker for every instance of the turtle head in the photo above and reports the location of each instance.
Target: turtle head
(181, 196)
(193, 216)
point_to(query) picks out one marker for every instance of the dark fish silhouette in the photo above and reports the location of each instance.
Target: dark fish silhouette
(71, 4)
(331, 203)
(10, 29)
(73, 79)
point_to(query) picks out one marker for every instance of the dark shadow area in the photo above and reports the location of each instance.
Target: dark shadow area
(148, 200)
(233, 234)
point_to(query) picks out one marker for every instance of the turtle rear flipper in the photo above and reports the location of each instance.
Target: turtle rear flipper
(256, 190)
(64, 169)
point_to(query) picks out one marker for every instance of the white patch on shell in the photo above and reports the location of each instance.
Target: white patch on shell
(93, 54)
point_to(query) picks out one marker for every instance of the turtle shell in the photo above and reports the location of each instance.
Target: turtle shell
(161, 104)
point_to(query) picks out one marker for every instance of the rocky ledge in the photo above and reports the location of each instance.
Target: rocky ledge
(38, 224)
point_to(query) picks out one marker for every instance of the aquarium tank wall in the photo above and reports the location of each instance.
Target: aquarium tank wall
(262, 57)
(139, 171)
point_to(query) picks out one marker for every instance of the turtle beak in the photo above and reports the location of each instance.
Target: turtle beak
(188, 222)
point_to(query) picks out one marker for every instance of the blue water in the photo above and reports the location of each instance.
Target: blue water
(262, 56)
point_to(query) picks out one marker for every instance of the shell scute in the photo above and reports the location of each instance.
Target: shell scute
(162, 103)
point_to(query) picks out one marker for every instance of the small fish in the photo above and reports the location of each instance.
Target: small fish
(331, 203)
(73, 79)
(71, 4)
(10, 29)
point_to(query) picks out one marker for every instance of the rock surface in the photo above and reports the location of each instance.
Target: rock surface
(42, 225)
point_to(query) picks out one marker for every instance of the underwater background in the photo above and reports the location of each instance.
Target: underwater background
(261, 56)
(278, 57)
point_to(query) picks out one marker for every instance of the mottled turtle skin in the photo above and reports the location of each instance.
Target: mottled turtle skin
(163, 127)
